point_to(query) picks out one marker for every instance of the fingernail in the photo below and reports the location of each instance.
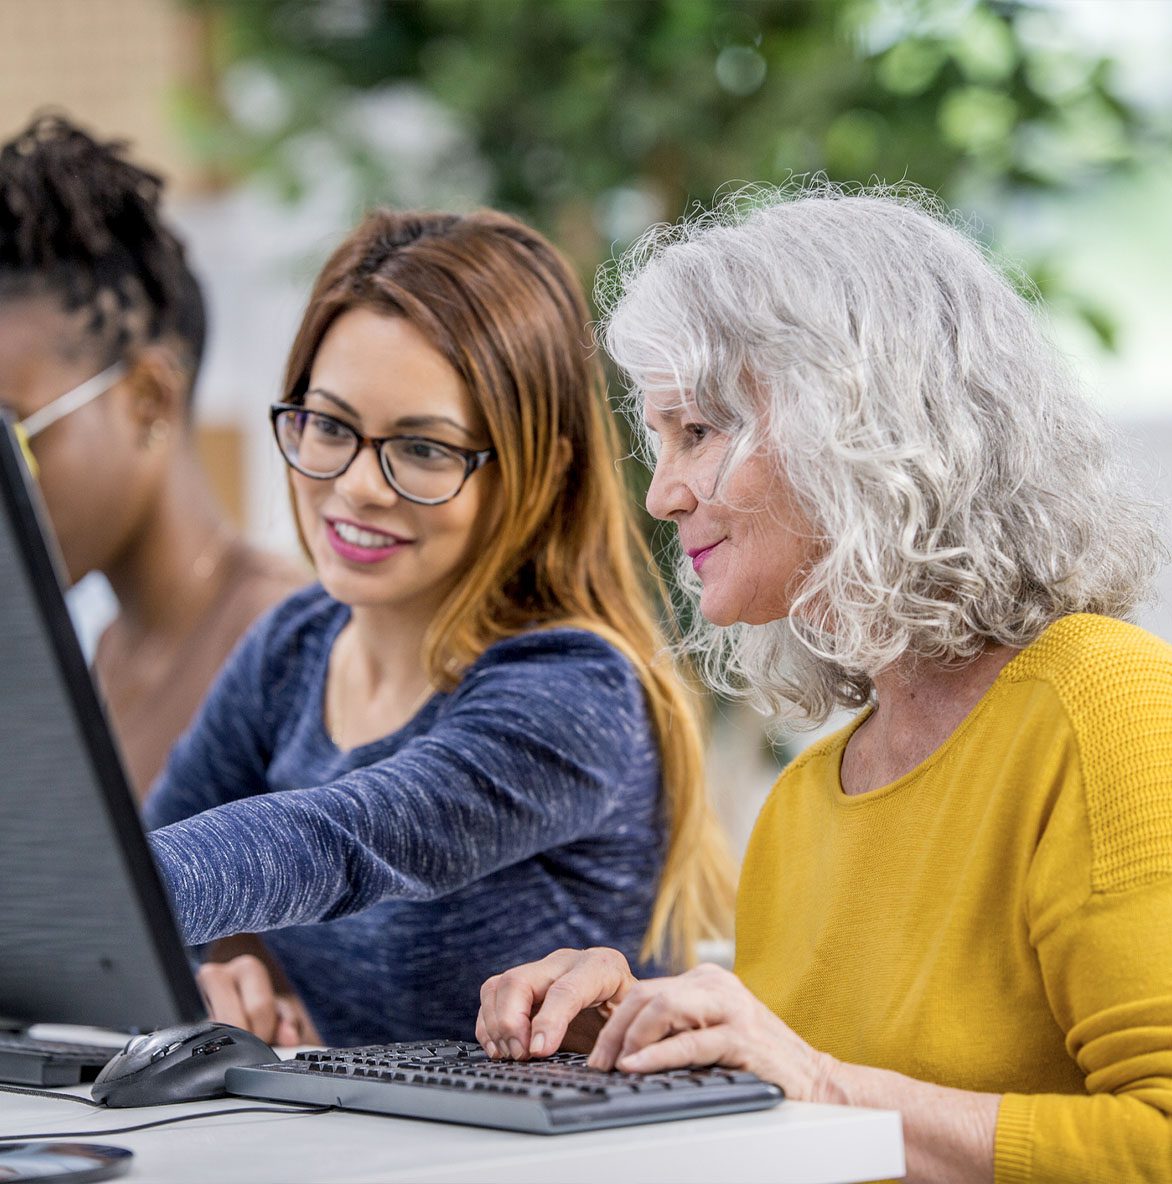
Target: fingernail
(537, 1045)
(516, 1049)
(490, 1048)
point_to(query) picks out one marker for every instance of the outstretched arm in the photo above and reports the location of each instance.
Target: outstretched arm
(533, 751)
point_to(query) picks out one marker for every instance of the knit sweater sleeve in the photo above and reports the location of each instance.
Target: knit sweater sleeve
(531, 753)
(1100, 920)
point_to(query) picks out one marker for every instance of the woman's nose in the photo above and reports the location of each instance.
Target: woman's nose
(668, 494)
(364, 482)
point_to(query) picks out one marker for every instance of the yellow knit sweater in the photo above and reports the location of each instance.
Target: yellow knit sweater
(999, 918)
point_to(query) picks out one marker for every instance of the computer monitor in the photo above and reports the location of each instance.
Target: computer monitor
(86, 931)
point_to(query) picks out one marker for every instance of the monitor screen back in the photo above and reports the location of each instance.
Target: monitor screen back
(86, 934)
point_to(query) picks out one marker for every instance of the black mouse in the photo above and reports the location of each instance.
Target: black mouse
(179, 1064)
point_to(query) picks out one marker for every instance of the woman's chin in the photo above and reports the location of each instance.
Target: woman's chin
(352, 587)
(722, 613)
(717, 613)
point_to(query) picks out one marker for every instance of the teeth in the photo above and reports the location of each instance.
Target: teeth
(363, 538)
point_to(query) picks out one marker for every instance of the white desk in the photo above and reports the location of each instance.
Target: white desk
(795, 1143)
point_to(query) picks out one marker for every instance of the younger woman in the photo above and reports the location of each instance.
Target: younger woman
(460, 748)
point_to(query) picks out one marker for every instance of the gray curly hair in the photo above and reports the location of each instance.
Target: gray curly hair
(962, 490)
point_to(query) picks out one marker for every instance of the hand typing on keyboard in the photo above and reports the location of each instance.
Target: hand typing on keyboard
(577, 991)
(703, 1017)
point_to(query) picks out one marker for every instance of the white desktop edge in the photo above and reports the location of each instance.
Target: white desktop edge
(795, 1143)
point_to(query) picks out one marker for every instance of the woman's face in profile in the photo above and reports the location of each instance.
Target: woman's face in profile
(749, 542)
(96, 476)
(369, 545)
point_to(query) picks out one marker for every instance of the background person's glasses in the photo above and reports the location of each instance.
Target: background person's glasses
(421, 470)
(71, 401)
(58, 408)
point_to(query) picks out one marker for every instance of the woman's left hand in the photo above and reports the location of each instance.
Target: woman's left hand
(708, 1017)
(242, 992)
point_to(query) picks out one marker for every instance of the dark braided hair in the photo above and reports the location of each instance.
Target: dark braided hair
(80, 224)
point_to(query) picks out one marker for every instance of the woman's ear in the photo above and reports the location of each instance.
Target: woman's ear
(158, 387)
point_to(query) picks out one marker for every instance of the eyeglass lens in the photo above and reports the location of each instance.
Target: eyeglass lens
(320, 446)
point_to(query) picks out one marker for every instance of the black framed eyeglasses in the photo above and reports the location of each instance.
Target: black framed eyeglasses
(427, 472)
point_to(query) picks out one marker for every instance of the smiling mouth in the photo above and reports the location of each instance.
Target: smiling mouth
(363, 537)
(699, 554)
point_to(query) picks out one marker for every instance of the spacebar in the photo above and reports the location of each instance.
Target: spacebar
(475, 1107)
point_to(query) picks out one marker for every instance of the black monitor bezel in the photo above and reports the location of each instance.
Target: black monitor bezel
(22, 503)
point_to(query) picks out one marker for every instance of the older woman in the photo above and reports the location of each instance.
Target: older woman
(891, 497)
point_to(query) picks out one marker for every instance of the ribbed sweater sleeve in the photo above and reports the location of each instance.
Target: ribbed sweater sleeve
(1100, 919)
(526, 755)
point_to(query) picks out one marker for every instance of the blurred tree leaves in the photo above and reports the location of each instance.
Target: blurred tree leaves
(592, 118)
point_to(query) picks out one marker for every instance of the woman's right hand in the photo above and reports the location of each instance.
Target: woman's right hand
(560, 1002)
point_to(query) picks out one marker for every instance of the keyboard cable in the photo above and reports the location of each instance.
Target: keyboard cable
(142, 1126)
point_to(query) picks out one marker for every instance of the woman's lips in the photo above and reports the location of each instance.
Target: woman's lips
(363, 544)
(700, 554)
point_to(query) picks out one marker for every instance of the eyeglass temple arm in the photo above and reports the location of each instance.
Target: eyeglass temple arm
(69, 402)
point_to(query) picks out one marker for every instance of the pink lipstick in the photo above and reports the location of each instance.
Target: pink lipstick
(699, 555)
(361, 544)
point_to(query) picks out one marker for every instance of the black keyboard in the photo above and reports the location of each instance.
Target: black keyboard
(452, 1081)
(25, 1061)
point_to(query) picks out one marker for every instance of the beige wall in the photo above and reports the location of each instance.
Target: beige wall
(114, 65)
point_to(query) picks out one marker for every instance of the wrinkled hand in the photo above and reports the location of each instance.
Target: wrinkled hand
(708, 1017)
(241, 992)
(561, 1002)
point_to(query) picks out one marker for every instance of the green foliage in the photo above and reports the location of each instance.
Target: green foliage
(571, 101)
(595, 117)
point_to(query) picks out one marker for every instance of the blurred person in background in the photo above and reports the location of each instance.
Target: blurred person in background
(101, 335)
(891, 496)
(465, 742)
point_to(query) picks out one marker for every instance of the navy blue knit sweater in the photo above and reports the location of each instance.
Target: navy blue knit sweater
(519, 813)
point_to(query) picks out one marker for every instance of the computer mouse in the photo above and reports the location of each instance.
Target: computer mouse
(179, 1064)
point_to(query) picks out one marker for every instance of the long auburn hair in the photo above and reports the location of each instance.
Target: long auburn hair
(504, 308)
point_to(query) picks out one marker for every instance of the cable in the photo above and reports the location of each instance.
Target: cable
(142, 1126)
(48, 1093)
